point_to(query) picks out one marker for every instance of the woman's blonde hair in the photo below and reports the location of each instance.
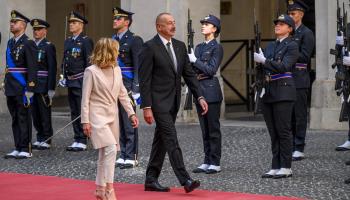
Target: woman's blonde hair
(105, 53)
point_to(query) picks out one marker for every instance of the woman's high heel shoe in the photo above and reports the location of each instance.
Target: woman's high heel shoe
(100, 194)
(110, 195)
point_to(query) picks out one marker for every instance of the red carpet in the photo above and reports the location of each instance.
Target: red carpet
(30, 187)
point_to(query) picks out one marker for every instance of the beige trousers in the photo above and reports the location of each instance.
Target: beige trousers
(106, 165)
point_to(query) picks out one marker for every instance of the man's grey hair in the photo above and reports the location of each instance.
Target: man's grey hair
(160, 16)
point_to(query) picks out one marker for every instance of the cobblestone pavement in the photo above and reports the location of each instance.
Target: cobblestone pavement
(245, 156)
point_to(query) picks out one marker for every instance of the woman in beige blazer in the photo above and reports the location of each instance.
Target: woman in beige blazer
(102, 89)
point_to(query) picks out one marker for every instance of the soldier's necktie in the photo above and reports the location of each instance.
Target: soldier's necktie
(277, 44)
(170, 54)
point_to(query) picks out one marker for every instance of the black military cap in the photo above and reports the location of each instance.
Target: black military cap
(285, 19)
(39, 23)
(118, 12)
(74, 16)
(211, 19)
(17, 16)
(297, 5)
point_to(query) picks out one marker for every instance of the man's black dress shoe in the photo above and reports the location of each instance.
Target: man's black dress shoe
(190, 185)
(199, 170)
(155, 187)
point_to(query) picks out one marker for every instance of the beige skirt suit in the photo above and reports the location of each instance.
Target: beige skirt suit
(101, 92)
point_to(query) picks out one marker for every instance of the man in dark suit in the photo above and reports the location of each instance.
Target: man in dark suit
(45, 88)
(163, 61)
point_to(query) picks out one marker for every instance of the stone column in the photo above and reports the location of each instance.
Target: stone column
(31, 9)
(144, 24)
(325, 104)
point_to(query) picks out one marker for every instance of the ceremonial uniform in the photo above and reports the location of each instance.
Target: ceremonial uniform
(46, 81)
(305, 39)
(281, 56)
(129, 49)
(20, 80)
(209, 55)
(77, 50)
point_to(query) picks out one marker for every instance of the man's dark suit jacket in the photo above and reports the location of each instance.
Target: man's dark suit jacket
(160, 83)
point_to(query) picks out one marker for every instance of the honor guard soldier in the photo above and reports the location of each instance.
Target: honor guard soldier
(206, 60)
(306, 41)
(20, 81)
(346, 145)
(346, 62)
(77, 50)
(279, 59)
(46, 83)
(129, 50)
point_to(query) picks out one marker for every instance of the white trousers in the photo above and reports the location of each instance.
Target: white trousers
(106, 165)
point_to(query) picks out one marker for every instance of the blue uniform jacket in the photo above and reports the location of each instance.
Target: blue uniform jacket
(46, 67)
(209, 57)
(129, 51)
(23, 55)
(280, 59)
(76, 59)
(306, 41)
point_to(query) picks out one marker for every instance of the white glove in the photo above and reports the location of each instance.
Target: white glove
(259, 57)
(192, 57)
(62, 81)
(346, 60)
(339, 40)
(51, 93)
(135, 96)
(29, 94)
